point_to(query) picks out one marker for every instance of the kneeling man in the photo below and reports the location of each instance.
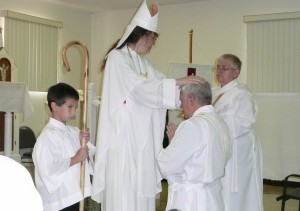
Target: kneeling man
(195, 160)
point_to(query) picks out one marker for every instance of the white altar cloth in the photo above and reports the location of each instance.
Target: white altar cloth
(14, 97)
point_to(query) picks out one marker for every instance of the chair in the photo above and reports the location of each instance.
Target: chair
(27, 140)
(291, 190)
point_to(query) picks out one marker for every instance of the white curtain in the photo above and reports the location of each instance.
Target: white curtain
(273, 52)
(33, 44)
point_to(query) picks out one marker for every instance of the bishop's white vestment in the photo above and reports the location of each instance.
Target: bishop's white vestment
(130, 132)
(194, 162)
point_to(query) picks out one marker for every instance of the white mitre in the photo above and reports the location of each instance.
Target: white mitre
(145, 17)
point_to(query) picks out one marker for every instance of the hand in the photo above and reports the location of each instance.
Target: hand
(80, 155)
(85, 134)
(171, 128)
(192, 79)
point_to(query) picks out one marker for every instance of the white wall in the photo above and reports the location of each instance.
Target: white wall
(278, 128)
(218, 28)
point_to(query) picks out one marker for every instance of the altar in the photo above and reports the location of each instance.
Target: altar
(14, 98)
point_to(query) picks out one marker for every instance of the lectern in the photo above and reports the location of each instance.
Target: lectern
(14, 97)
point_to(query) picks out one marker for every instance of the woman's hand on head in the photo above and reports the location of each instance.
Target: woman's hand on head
(192, 79)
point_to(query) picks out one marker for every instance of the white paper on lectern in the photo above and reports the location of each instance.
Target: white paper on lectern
(179, 70)
(14, 97)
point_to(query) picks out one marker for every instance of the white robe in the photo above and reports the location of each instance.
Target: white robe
(17, 191)
(57, 182)
(130, 133)
(243, 183)
(195, 161)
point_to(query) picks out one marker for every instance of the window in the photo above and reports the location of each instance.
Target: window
(33, 44)
(273, 52)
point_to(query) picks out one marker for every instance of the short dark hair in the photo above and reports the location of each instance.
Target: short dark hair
(58, 93)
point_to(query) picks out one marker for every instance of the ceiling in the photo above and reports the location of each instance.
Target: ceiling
(108, 5)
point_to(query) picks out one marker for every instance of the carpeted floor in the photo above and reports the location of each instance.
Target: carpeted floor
(91, 205)
(271, 191)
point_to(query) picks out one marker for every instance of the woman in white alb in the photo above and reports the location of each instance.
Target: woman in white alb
(134, 100)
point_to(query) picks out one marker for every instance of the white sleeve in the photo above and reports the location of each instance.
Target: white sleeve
(49, 160)
(172, 159)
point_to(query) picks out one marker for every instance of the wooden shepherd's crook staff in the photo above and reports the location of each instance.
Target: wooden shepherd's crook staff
(86, 74)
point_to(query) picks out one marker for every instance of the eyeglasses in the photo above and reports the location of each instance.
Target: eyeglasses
(154, 38)
(223, 68)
